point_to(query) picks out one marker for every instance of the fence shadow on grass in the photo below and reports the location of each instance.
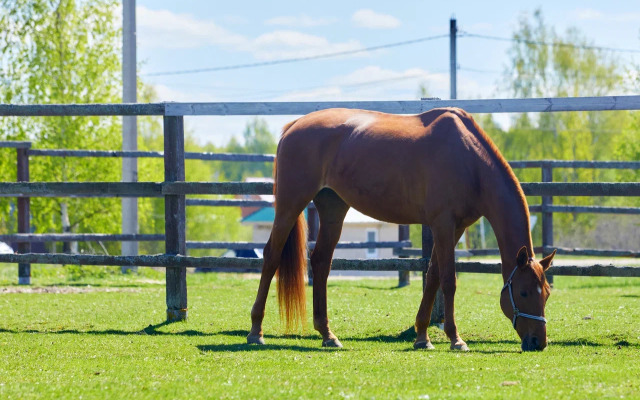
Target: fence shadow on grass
(150, 330)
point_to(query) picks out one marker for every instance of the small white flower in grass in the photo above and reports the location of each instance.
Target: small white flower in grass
(424, 397)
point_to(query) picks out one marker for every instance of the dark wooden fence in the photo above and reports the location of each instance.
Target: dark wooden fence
(174, 189)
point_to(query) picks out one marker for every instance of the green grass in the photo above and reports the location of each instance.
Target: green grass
(108, 340)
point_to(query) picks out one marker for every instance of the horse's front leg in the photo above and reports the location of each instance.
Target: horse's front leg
(444, 236)
(423, 318)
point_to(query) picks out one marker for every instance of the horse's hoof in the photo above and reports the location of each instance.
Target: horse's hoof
(332, 343)
(255, 339)
(423, 345)
(460, 346)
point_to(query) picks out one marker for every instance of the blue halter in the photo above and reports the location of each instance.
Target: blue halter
(516, 312)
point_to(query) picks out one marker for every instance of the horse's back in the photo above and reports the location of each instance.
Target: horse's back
(388, 166)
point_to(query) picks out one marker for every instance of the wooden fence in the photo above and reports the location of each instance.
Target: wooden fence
(174, 189)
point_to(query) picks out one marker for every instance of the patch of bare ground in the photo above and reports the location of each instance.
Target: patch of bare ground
(64, 289)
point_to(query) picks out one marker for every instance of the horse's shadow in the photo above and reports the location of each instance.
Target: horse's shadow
(242, 347)
(407, 336)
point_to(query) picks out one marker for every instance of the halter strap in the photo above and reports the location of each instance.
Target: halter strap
(516, 312)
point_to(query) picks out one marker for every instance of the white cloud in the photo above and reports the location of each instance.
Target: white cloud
(165, 29)
(287, 44)
(382, 79)
(162, 28)
(587, 14)
(300, 21)
(319, 94)
(366, 18)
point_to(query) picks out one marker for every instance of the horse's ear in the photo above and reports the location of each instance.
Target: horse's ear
(546, 262)
(523, 257)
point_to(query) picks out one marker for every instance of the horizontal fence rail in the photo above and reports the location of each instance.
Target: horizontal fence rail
(15, 145)
(410, 107)
(155, 189)
(602, 103)
(103, 237)
(391, 264)
(151, 154)
(311, 245)
(67, 110)
(411, 252)
(585, 209)
(575, 164)
(271, 157)
(229, 203)
(78, 237)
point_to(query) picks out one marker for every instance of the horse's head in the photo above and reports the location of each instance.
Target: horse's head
(523, 298)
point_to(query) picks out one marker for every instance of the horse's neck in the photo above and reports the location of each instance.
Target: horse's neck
(509, 218)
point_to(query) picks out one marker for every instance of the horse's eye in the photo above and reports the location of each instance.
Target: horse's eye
(523, 294)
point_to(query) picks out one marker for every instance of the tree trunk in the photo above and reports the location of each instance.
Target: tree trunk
(67, 247)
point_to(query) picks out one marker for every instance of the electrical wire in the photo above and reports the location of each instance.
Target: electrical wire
(296, 59)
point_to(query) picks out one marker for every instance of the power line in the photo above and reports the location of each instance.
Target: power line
(296, 59)
(558, 44)
(264, 94)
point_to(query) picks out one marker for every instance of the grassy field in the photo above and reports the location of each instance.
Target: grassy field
(76, 336)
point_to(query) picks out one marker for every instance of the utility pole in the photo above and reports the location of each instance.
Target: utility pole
(453, 62)
(129, 126)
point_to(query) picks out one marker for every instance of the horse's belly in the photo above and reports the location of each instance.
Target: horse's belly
(385, 203)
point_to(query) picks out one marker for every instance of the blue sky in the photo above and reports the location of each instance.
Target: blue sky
(177, 36)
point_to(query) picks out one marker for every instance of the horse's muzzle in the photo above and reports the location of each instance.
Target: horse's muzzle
(532, 343)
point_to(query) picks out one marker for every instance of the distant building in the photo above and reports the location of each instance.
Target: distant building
(357, 227)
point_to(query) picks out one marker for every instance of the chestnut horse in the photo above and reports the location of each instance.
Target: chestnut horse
(437, 168)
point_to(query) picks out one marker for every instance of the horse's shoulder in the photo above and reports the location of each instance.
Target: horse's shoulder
(448, 114)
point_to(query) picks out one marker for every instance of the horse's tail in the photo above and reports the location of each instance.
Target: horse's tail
(292, 270)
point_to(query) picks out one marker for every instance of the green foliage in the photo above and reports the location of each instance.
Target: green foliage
(69, 52)
(257, 140)
(107, 339)
(78, 272)
(63, 52)
(569, 67)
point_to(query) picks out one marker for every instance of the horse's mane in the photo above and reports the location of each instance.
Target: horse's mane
(473, 127)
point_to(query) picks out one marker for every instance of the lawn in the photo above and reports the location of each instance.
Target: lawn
(73, 335)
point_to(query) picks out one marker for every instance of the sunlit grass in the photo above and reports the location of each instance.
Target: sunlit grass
(108, 340)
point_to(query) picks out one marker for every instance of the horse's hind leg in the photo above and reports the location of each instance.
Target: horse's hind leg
(331, 210)
(426, 305)
(271, 261)
(288, 208)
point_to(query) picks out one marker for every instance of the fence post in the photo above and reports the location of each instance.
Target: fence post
(313, 223)
(404, 277)
(437, 314)
(175, 218)
(24, 225)
(547, 217)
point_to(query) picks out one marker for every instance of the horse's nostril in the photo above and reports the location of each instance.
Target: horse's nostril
(535, 344)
